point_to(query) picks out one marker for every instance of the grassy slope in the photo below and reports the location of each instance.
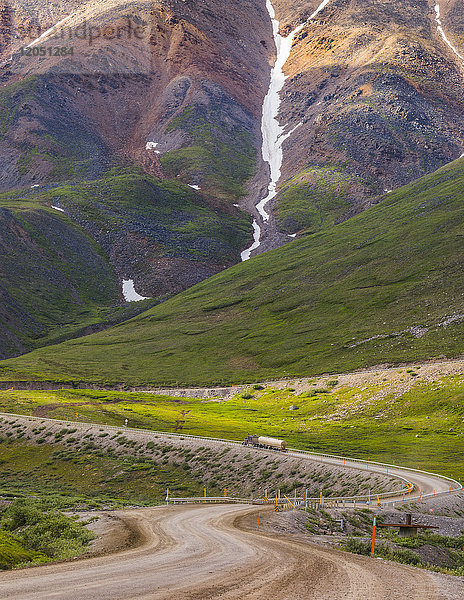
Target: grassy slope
(221, 152)
(56, 279)
(403, 416)
(314, 199)
(175, 220)
(340, 299)
(54, 469)
(61, 141)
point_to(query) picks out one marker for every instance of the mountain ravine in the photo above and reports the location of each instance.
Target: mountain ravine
(147, 140)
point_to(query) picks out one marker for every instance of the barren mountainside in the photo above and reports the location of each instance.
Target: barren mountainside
(380, 98)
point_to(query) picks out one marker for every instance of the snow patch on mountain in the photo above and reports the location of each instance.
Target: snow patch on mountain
(152, 146)
(50, 31)
(245, 255)
(129, 293)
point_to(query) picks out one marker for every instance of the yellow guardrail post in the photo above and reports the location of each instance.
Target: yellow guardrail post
(289, 501)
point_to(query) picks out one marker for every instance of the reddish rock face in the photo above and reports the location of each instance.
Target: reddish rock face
(128, 87)
(378, 93)
(182, 101)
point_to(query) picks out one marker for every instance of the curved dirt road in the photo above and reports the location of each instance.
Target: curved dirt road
(196, 552)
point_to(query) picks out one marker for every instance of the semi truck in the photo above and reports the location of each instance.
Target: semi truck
(265, 442)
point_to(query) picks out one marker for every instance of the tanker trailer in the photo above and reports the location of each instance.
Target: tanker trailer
(272, 443)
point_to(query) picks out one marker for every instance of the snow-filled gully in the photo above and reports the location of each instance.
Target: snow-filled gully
(443, 34)
(273, 133)
(445, 38)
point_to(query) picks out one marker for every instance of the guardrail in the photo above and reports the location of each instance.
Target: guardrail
(383, 468)
(280, 500)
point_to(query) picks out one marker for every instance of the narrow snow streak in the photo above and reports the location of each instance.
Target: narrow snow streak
(50, 31)
(445, 38)
(42, 37)
(256, 243)
(129, 293)
(58, 208)
(443, 34)
(273, 133)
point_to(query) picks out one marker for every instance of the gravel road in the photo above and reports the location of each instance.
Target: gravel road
(200, 553)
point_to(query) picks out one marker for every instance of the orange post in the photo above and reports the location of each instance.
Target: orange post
(374, 523)
(257, 526)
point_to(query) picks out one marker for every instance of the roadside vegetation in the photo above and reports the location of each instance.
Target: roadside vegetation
(352, 530)
(34, 531)
(428, 551)
(93, 467)
(421, 410)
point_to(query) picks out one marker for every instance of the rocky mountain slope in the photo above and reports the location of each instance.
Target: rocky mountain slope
(189, 83)
(379, 96)
(148, 134)
(182, 102)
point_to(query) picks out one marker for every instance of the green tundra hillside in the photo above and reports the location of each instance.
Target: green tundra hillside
(64, 250)
(385, 286)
